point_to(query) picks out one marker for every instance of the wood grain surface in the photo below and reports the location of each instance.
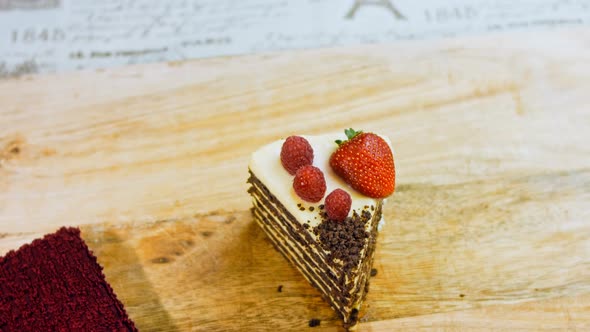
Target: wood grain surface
(488, 229)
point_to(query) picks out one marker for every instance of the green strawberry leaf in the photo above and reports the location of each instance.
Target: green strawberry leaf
(350, 133)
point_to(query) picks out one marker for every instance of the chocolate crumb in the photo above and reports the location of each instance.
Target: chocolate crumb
(311, 208)
(344, 240)
(321, 206)
(366, 215)
(372, 207)
(298, 204)
(366, 207)
(461, 295)
(302, 208)
(373, 272)
(280, 289)
(314, 322)
(306, 226)
(206, 233)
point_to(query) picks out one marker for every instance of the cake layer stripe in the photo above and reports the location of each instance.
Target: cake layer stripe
(281, 247)
(284, 224)
(355, 287)
(319, 260)
(302, 255)
(292, 222)
(358, 291)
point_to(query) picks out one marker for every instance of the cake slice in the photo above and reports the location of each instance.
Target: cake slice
(319, 200)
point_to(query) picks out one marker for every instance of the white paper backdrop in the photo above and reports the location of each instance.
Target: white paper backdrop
(61, 35)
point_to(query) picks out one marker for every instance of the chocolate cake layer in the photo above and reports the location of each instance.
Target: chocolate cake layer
(297, 229)
(281, 246)
(295, 235)
(338, 287)
(313, 264)
(347, 296)
(332, 295)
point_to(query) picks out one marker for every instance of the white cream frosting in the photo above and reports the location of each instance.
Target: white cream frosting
(266, 165)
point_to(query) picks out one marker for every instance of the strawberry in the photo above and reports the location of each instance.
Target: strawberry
(338, 204)
(365, 162)
(295, 153)
(309, 183)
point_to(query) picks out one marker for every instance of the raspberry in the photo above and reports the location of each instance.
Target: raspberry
(295, 153)
(309, 183)
(338, 204)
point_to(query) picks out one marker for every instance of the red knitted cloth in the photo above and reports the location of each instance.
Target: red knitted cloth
(56, 284)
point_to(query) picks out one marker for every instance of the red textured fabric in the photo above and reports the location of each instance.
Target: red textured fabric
(56, 284)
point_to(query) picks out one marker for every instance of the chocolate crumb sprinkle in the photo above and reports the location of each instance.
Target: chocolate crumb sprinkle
(372, 207)
(302, 208)
(354, 315)
(321, 206)
(344, 240)
(280, 289)
(373, 272)
(366, 215)
(311, 208)
(314, 322)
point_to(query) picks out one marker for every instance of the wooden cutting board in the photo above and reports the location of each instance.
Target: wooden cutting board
(489, 227)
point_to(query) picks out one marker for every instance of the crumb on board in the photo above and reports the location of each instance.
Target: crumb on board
(314, 322)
